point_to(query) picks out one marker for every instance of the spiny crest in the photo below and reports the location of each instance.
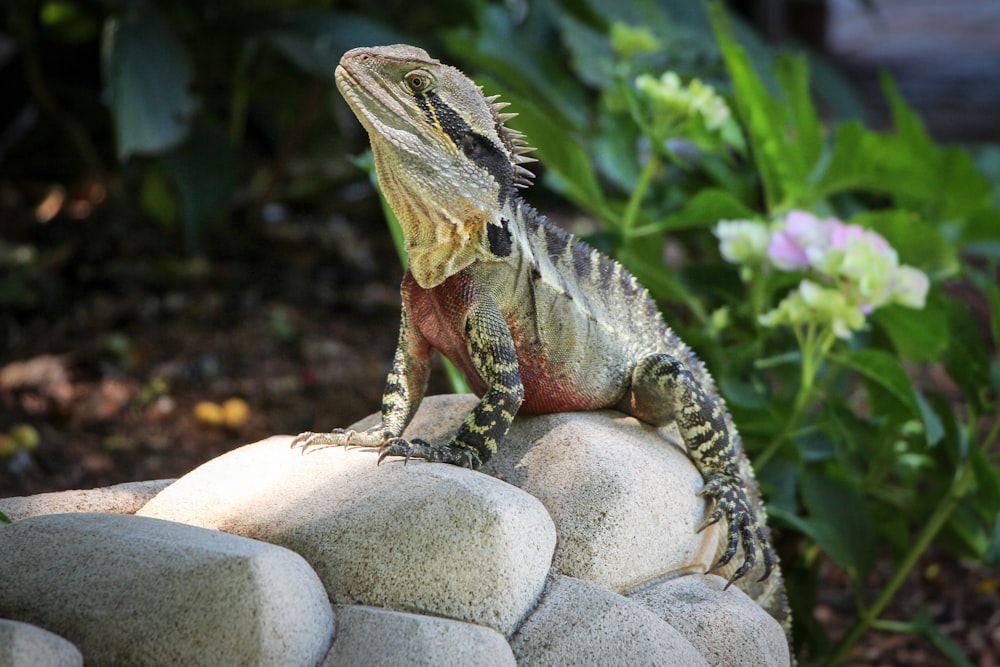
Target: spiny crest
(514, 141)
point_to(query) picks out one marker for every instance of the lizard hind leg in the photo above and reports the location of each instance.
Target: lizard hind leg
(663, 390)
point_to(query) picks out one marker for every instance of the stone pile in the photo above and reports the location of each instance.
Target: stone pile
(577, 547)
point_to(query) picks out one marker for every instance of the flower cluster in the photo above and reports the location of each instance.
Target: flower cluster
(850, 270)
(671, 99)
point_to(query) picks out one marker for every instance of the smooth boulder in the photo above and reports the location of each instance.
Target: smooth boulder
(426, 538)
(140, 591)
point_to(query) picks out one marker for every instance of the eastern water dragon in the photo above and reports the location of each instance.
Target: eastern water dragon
(536, 320)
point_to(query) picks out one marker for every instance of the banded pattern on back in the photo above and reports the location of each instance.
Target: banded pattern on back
(601, 285)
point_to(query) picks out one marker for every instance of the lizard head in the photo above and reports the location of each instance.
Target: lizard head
(445, 160)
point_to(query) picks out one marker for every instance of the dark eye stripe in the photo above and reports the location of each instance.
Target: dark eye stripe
(426, 108)
(475, 146)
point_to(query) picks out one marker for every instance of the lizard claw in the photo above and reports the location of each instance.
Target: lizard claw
(743, 527)
(406, 448)
(336, 437)
(421, 449)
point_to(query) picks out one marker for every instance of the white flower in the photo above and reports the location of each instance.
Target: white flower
(815, 304)
(910, 287)
(743, 241)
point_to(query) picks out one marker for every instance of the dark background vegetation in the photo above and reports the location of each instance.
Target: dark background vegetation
(191, 257)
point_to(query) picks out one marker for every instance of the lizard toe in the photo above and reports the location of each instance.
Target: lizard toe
(417, 448)
(309, 439)
(743, 528)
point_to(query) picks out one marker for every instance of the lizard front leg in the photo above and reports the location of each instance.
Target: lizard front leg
(663, 390)
(404, 390)
(494, 357)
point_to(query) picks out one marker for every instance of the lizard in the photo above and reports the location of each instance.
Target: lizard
(535, 319)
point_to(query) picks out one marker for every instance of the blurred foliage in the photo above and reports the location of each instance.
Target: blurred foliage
(200, 114)
(857, 457)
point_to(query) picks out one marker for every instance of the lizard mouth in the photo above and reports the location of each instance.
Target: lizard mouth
(349, 87)
(378, 105)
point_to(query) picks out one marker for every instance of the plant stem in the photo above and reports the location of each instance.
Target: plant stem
(956, 491)
(893, 626)
(634, 202)
(814, 344)
(993, 433)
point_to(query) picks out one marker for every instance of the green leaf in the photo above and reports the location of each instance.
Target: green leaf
(455, 378)
(314, 39)
(744, 393)
(864, 161)
(960, 187)
(705, 209)
(933, 427)
(925, 627)
(906, 121)
(942, 184)
(4, 518)
(992, 556)
(781, 163)
(148, 77)
(204, 170)
(966, 534)
(779, 478)
(967, 353)
(884, 370)
(993, 298)
(840, 522)
(961, 190)
(510, 52)
(987, 489)
(917, 335)
(793, 77)
(156, 196)
(591, 56)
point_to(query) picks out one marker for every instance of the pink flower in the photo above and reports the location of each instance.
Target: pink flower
(803, 240)
(785, 253)
(841, 235)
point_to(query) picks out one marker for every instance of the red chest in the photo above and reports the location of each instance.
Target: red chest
(440, 314)
(551, 383)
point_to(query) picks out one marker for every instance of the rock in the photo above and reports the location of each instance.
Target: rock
(578, 623)
(622, 497)
(139, 591)
(117, 499)
(384, 638)
(26, 645)
(726, 626)
(427, 538)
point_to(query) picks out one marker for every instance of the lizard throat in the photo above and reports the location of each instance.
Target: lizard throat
(441, 238)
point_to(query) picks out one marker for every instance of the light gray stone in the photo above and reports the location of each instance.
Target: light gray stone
(118, 499)
(139, 591)
(726, 626)
(370, 637)
(26, 645)
(622, 497)
(426, 538)
(578, 623)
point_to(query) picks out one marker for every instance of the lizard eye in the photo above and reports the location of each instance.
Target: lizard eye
(418, 81)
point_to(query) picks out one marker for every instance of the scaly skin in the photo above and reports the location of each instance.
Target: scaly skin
(536, 320)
